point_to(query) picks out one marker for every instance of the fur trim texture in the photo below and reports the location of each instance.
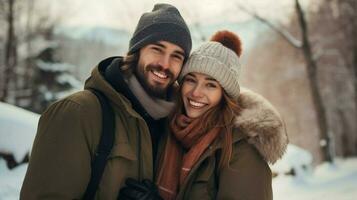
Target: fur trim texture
(261, 122)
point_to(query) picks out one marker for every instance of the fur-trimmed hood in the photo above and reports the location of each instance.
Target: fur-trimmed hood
(263, 125)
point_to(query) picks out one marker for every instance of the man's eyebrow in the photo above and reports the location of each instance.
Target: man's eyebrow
(159, 44)
(163, 46)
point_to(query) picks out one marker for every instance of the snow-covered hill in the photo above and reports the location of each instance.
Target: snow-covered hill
(17, 130)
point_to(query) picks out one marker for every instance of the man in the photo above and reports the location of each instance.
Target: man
(139, 87)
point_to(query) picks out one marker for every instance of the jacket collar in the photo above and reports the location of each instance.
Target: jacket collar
(115, 77)
(262, 125)
(112, 90)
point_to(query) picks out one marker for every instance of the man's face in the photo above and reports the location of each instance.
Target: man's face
(159, 66)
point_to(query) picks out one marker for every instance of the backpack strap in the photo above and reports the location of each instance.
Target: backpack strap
(104, 147)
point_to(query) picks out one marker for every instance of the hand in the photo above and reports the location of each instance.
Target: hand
(135, 190)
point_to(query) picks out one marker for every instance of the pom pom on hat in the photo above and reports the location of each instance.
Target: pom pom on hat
(229, 40)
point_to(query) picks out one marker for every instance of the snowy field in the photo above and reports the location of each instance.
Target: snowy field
(324, 182)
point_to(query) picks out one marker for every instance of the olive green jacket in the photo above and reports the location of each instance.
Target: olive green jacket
(67, 136)
(260, 138)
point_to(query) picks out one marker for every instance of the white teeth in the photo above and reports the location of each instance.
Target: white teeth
(196, 104)
(160, 75)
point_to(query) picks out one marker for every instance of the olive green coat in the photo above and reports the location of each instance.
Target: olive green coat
(66, 140)
(259, 139)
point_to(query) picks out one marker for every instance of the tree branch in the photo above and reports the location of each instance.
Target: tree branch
(283, 33)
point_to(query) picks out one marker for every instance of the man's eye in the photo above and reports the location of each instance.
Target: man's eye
(156, 49)
(178, 57)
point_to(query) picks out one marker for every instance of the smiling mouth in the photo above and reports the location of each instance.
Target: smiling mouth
(160, 75)
(196, 104)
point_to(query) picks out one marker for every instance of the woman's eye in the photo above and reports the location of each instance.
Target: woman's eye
(190, 80)
(211, 85)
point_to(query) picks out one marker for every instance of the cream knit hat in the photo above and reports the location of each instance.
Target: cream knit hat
(218, 59)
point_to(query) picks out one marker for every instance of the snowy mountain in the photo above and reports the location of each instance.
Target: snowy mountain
(248, 31)
(109, 36)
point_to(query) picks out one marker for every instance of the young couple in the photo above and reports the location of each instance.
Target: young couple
(204, 138)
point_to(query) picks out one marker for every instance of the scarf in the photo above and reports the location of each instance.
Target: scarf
(157, 108)
(183, 149)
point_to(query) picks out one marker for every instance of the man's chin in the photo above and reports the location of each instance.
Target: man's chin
(157, 91)
(153, 88)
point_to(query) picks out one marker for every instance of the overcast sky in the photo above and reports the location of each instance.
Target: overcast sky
(125, 13)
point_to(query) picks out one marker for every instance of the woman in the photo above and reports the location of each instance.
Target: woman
(222, 136)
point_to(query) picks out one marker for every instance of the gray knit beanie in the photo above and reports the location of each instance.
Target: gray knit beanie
(165, 23)
(218, 59)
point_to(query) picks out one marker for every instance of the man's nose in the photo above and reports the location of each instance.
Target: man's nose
(165, 61)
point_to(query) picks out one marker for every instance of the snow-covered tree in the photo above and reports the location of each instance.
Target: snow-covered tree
(52, 78)
(28, 56)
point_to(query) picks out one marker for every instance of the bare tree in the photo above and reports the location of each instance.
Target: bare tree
(10, 48)
(351, 12)
(305, 46)
(28, 40)
(314, 85)
(348, 25)
(2, 47)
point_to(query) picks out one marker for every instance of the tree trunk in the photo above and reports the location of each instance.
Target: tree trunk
(314, 87)
(354, 49)
(29, 32)
(346, 147)
(351, 15)
(10, 50)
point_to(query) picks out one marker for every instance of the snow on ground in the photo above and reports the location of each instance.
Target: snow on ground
(11, 181)
(326, 182)
(294, 158)
(17, 130)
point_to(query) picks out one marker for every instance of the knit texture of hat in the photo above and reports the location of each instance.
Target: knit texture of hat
(163, 23)
(217, 61)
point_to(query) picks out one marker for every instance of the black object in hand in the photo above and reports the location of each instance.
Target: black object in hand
(136, 190)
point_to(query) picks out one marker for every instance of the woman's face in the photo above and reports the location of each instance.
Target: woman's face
(199, 93)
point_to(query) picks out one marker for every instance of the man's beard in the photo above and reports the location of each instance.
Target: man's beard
(153, 90)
